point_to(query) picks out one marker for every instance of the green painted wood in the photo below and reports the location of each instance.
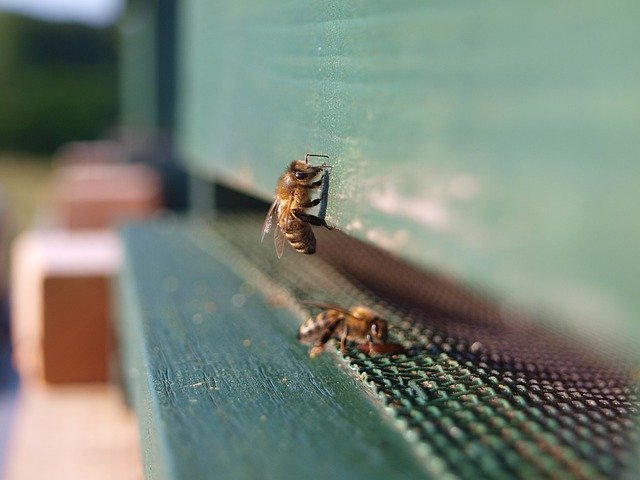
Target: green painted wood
(494, 140)
(220, 385)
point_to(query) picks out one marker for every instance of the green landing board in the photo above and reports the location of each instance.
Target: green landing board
(220, 385)
(497, 141)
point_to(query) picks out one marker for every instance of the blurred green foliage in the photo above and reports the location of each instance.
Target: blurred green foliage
(58, 83)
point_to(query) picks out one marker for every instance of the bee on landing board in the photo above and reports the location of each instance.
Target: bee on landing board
(293, 199)
(358, 324)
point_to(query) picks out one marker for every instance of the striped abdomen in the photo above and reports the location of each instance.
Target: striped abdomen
(314, 327)
(300, 236)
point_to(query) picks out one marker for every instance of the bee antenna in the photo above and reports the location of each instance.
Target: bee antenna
(307, 155)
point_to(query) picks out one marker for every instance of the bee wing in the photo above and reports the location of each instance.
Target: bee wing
(337, 308)
(284, 215)
(279, 240)
(280, 211)
(266, 226)
(327, 306)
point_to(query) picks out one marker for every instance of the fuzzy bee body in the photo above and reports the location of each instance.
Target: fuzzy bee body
(300, 236)
(314, 327)
(358, 324)
(292, 201)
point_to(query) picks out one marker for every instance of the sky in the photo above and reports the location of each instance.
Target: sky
(92, 12)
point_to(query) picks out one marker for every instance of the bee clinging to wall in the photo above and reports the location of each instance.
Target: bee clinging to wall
(358, 324)
(292, 201)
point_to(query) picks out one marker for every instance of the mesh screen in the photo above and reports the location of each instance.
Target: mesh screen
(481, 392)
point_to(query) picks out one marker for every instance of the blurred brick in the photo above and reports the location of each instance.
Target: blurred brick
(60, 304)
(100, 195)
(100, 151)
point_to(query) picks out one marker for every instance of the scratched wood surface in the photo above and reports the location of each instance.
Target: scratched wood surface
(493, 140)
(220, 385)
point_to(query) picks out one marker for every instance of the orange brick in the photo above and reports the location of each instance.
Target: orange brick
(98, 151)
(76, 338)
(99, 195)
(61, 319)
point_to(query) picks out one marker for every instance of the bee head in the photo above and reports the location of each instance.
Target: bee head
(378, 331)
(304, 172)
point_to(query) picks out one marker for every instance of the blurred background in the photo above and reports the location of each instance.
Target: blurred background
(58, 84)
(495, 143)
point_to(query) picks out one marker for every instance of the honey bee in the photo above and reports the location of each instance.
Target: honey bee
(292, 200)
(359, 324)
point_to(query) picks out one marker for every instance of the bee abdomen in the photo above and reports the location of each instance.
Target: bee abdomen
(302, 239)
(313, 327)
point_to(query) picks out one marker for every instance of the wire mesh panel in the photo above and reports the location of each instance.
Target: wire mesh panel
(481, 391)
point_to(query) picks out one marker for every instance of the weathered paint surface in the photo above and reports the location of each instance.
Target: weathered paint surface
(221, 387)
(493, 140)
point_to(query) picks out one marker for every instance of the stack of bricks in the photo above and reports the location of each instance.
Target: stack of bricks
(61, 275)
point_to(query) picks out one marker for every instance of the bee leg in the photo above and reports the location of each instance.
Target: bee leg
(310, 204)
(324, 195)
(343, 340)
(370, 344)
(326, 336)
(313, 220)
